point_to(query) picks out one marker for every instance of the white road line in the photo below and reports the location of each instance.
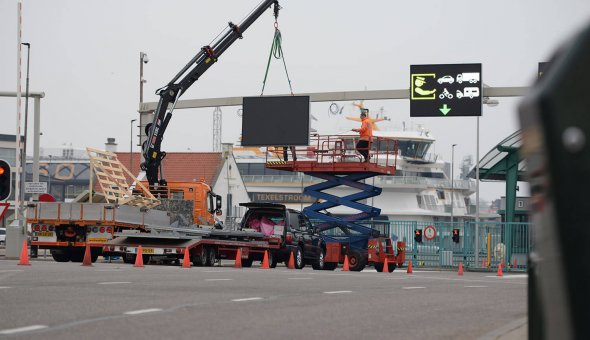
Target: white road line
(413, 287)
(22, 329)
(215, 271)
(299, 278)
(339, 292)
(218, 279)
(109, 270)
(142, 311)
(247, 299)
(476, 286)
(10, 270)
(515, 276)
(5, 287)
(113, 283)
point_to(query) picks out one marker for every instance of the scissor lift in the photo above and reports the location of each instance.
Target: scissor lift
(335, 160)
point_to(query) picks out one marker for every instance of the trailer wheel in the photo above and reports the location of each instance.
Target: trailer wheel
(272, 260)
(299, 262)
(320, 263)
(211, 256)
(356, 262)
(60, 257)
(129, 258)
(200, 259)
(77, 255)
(247, 263)
(379, 267)
(391, 267)
(94, 254)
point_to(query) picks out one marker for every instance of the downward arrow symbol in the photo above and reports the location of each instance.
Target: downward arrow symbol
(445, 109)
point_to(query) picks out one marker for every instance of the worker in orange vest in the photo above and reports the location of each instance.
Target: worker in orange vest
(366, 135)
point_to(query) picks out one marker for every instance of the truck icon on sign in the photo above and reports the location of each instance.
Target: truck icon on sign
(472, 77)
(468, 92)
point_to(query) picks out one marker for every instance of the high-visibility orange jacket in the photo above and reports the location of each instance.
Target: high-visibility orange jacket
(366, 130)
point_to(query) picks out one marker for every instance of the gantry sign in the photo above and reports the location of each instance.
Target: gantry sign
(445, 90)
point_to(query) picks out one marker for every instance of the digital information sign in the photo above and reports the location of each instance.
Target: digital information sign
(445, 90)
(275, 121)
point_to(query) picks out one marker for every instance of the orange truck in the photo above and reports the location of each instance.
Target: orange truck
(67, 228)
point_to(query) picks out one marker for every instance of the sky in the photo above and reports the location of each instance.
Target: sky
(85, 57)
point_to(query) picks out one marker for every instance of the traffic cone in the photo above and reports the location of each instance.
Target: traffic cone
(385, 266)
(345, 268)
(139, 258)
(238, 263)
(186, 261)
(410, 271)
(24, 255)
(499, 270)
(87, 259)
(265, 261)
(291, 264)
(460, 273)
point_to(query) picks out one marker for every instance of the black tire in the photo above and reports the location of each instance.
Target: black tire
(379, 267)
(77, 255)
(94, 254)
(320, 263)
(61, 257)
(330, 266)
(211, 256)
(200, 259)
(356, 261)
(391, 267)
(247, 263)
(272, 260)
(299, 261)
(129, 258)
(146, 259)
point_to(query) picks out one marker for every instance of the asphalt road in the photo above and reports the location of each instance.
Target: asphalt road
(111, 300)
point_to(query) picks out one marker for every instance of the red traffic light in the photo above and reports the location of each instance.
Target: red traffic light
(2, 171)
(5, 180)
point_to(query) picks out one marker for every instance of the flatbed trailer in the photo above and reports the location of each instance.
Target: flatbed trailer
(67, 228)
(206, 246)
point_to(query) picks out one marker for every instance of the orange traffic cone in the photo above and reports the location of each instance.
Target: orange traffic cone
(499, 270)
(291, 264)
(238, 263)
(265, 261)
(186, 261)
(460, 273)
(139, 258)
(385, 266)
(24, 255)
(87, 259)
(345, 268)
(410, 271)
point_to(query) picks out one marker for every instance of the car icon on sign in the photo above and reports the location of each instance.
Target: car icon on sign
(446, 79)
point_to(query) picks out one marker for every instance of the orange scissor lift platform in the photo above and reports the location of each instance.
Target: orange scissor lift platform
(335, 159)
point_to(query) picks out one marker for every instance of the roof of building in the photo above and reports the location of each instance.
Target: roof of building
(182, 166)
(492, 167)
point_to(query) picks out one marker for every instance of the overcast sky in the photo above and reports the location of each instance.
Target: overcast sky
(85, 57)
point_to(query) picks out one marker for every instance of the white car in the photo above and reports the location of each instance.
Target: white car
(2, 237)
(446, 79)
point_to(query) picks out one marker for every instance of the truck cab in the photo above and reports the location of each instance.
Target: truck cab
(293, 227)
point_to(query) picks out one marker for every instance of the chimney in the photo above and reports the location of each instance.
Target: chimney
(110, 145)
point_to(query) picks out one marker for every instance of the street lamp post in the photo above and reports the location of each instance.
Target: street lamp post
(143, 59)
(452, 181)
(24, 151)
(131, 147)
(49, 175)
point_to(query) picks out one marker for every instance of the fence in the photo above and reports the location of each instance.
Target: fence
(506, 243)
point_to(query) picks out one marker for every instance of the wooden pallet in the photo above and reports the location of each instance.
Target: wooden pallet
(110, 173)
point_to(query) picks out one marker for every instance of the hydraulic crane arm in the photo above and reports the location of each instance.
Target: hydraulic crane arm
(170, 93)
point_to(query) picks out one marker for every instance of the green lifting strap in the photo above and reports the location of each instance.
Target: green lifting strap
(277, 51)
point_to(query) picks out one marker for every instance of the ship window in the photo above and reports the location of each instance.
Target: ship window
(419, 199)
(440, 194)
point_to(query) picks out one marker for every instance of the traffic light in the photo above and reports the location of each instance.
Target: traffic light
(5, 180)
(418, 235)
(456, 235)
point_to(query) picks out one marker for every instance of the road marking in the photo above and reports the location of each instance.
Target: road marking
(515, 276)
(109, 270)
(471, 280)
(247, 299)
(476, 286)
(413, 287)
(299, 278)
(142, 311)
(218, 279)
(22, 329)
(215, 271)
(4, 287)
(10, 270)
(113, 283)
(339, 292)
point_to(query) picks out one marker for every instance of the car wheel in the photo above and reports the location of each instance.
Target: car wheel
(210, 256)
(272, 260)
(299, 262)
(320, 263)
(356, 261)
